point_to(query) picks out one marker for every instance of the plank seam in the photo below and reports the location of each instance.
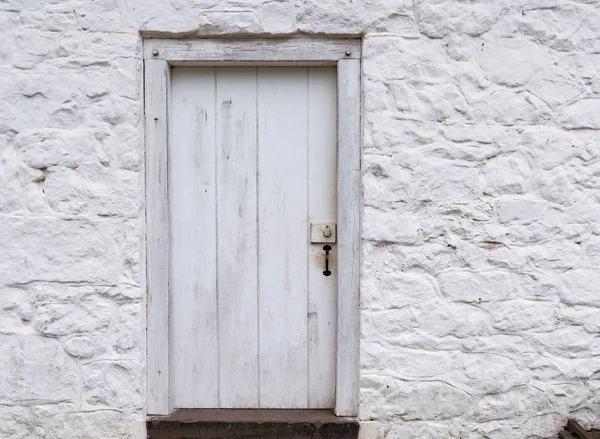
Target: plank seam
(216, 158)
(308, 356)
(258, 263)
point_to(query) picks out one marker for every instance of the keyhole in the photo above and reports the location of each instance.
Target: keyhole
(327, 249)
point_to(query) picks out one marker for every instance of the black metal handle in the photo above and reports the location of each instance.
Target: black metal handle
(327, 249)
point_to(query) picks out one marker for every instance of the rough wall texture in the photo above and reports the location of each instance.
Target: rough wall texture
(480, 281)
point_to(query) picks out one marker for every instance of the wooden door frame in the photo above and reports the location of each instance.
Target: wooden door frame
(159, 55)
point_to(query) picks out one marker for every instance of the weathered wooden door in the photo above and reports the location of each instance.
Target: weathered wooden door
(252, 163)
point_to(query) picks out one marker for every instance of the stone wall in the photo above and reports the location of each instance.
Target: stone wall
(481, 223)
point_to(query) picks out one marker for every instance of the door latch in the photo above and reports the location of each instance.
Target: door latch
(322, 233)
(327, 249)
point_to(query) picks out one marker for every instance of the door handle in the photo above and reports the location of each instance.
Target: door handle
(327, 249)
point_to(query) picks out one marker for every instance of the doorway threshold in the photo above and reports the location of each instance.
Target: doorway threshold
(251, 423)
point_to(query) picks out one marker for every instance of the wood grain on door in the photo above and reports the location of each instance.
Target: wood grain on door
(252, 162)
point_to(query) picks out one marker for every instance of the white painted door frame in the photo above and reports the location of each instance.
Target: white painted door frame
(159, 56)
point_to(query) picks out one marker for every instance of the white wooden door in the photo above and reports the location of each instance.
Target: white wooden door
(252, 162)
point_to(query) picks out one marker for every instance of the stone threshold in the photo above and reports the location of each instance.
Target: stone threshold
(246, 424)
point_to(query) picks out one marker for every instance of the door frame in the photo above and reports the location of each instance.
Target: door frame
(159, 55)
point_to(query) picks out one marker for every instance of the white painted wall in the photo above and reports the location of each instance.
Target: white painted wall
(480, 287)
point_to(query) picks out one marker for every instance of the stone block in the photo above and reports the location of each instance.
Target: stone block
(51, 147)
(516, 316)
(115, 384)
(420, 430)
(56, 319)
(475, 287)
(440, 19)
(16, 422)
(522, 401)
(397, 290)
(105, 424)
(555, 86)
(278, 17)
(93, 189)
(347, 17)
(52, 249)
(568, 342)
(512, 61)
(407, 364)
(506, 175)
(433, 400)
(582, 114)
(387, 324)
(16, 311)
(442, 318)
(128, 333)
(34, 368)
(229, 22)
(388, 226)
(486, 373)
(20, 189)
(85, 346)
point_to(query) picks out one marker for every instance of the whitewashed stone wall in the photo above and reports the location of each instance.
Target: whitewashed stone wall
(481, 247)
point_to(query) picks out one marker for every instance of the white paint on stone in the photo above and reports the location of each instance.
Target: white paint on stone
(77, 250)
(126, 336)
(111, 384)
(85, 347)
(35, 369)
(479, 293)
(582, 114)
(16, 311)
(55, 319)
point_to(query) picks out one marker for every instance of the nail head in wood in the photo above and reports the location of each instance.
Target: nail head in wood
(348, 52)
(155, 52)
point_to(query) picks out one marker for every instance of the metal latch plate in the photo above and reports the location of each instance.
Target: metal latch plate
(323, 233)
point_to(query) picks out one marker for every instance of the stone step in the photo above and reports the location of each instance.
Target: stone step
(250, 424)
(574, 430)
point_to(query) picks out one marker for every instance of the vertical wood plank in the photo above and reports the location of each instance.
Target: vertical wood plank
(349, 199)
(156, 80)
(282, 207)
(322, 182)
(237, 237)
(193, 257)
